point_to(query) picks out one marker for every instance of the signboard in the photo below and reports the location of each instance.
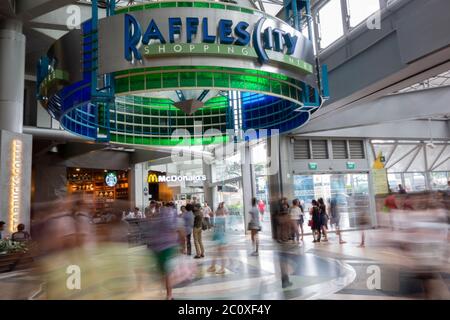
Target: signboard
(111, 179)
(380, 181)
(312, 166)
(154, 178)
(213, 37)
(226, 32)
(351, 165)
(15, 177)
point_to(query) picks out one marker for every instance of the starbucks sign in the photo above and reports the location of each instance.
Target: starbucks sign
(111, 179)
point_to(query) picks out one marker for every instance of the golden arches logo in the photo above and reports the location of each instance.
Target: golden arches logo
(152, 178)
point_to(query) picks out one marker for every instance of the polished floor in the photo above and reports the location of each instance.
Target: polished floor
(325, 270)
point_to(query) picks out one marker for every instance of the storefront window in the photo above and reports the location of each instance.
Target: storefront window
(394, 180)
(351, 192)
(231, 193)
(439, 180)
(229, 168)
(415, 182)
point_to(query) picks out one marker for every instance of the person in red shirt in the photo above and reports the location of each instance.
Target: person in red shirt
(408, 205)
(390, 202)
(261, 208)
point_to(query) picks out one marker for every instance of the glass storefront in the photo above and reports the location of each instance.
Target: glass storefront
(231, 192)
(439, 180)
(351, 192)
(227, 178)
(181, 191)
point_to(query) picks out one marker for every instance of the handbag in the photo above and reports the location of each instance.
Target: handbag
(310, 223)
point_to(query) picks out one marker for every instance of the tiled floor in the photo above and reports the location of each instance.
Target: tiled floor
(315, 271)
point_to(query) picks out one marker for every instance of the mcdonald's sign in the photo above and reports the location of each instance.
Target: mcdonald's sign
(152, 178)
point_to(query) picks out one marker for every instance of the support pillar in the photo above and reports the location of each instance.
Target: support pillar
(140, 180)
(12, 75)
(15, 147)
(207, 189)
(247, 181)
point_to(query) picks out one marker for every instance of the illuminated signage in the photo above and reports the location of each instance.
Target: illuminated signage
(351, 165)
(153, 178)
(15, 184)
(111, 179)
(312, 166)
(228, 33)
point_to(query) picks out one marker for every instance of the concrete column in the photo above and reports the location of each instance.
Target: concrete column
(274, 180)
(247, 181)
(12, 75)
(207, 189)
(287, 177)
(372, 201)
(15, 147)
(133, 182)
(139, 188)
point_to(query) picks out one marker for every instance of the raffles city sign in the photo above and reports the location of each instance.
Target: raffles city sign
(227, 32)
(181, 36)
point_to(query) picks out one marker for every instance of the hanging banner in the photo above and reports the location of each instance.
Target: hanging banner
(380, 181)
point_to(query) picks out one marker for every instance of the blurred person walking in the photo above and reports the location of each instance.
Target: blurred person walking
(390, 204)
(323, 218)
(188, 218)
(162, 240)
(335, 218)
(198, 229)
(295, 215)
(283, 227)
(261, 208)
(363, 222)
(407, 204)
(207, 215)
(219, 237)
(314, 222)
(254, 226)
(221, 210)
(283, 222)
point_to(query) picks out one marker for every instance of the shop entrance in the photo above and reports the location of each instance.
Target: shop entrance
(231, 193)
(350, 191)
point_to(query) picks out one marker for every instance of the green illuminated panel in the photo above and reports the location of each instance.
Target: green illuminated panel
(119, 138)
(209, 77)
(201, 5)
(181, 4)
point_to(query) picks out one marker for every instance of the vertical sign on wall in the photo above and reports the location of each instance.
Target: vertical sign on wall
(15, 179)
(15, 184)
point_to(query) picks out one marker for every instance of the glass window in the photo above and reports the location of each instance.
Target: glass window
(227, 169)
(418, 164)
(360, 10)
(394, 179)
(439, 180)
(331, 26)
(349, 192)
(415, 182)
(232, 194)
